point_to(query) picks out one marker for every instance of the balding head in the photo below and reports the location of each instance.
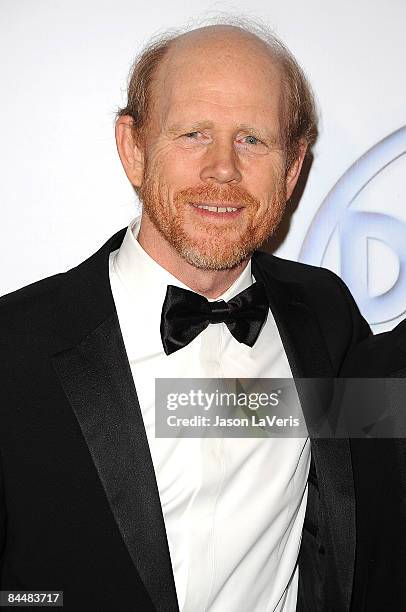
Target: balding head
(225, 47)
(223, 38)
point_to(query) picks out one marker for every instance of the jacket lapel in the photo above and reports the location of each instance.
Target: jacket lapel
(308, 357)
(97, 380)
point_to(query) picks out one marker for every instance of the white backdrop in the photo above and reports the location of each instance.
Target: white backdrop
(63, 72)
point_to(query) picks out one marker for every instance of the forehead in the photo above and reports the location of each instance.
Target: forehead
(218, 73)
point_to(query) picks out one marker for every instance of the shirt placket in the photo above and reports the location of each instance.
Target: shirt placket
(204, 507)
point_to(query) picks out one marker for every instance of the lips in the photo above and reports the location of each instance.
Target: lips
(216, 209)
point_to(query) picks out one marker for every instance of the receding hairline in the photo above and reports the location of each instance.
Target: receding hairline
(214, 39)
(205, 33)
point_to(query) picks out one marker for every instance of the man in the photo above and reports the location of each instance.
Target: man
(213, 138)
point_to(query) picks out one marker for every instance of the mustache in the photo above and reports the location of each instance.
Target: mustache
(206, 194)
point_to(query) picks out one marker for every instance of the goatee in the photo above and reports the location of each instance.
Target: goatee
(205, 245)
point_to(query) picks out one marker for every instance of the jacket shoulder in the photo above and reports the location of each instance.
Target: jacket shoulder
(37, 299)
(30, 300)
(323, 292)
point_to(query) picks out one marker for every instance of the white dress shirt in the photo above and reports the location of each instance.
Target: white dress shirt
(233, 507)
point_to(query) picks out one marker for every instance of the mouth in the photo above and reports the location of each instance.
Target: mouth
(214, 210)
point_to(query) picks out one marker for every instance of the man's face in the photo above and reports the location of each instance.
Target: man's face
(214, 184)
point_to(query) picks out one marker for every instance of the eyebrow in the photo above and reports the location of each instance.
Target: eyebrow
(192, 127)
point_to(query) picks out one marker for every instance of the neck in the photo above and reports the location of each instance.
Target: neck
(210, 283)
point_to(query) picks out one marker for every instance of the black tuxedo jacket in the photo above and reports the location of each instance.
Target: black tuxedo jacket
(79, 504)
(379, 466)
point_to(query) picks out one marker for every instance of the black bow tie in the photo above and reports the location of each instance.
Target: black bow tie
(186, 314)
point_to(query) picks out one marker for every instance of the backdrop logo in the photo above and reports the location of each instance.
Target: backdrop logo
(360, 230)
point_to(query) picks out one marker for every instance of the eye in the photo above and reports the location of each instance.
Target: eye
(194, 139)
(252, 140)
(191, 135)
(252, 144)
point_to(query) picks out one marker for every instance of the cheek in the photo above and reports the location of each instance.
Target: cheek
(264, 176)
(271, 194)
(270, 181)
(174, 160)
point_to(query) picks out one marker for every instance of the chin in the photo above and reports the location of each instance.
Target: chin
(219, 253)
(212, 254)
(211, 261)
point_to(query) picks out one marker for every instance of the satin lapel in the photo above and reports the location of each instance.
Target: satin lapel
(309, 358)
(96, 377)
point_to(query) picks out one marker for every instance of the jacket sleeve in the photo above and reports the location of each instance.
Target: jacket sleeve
(2, 516)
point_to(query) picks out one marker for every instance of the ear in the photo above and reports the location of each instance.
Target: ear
(295, 168)
(130, 152)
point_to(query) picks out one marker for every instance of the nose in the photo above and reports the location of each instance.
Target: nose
(221, 164)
